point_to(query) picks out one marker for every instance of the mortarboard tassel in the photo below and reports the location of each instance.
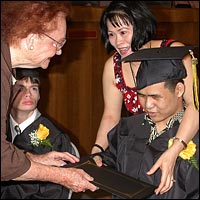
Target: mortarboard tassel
(195, 80)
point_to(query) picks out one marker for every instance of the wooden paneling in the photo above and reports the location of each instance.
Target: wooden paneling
(179, 23)
(71, 91)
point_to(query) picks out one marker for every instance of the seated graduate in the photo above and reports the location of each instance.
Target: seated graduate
(33, 132)
(137, 142)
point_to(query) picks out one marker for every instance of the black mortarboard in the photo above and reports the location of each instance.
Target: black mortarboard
(159, 64)
(163, 53)
(24, 72)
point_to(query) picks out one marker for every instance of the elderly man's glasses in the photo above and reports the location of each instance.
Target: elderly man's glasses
(57, 44)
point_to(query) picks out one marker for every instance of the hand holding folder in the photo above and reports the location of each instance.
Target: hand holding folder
(115, 182)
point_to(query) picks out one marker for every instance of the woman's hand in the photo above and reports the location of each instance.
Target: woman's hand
(53, 158)
(166, 163)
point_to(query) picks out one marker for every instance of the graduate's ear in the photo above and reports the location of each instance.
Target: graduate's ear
(30, 41)
(180, 89)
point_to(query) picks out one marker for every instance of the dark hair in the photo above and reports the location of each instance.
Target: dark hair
(171, 84)
(20, 18)
(25, 74)
(34, 80)
(135, 13)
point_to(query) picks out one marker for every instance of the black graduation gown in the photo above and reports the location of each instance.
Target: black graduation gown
(37, 189)
(130, 153)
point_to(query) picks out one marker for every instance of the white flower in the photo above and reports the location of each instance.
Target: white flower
(34, 140)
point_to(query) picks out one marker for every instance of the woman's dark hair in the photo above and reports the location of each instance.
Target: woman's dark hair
(135, 13)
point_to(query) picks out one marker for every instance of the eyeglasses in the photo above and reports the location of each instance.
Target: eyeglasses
(57, 44)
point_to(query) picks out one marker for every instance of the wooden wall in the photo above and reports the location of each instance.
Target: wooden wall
(71, 92)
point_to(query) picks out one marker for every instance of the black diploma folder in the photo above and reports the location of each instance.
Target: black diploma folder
(114, 182)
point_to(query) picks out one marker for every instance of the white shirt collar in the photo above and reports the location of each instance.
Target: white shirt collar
(24, 124)
(13, 80)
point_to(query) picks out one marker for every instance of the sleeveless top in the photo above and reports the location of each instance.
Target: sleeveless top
(130, 96)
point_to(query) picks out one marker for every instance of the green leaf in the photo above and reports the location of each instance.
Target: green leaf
(193, 161)
(46, 143)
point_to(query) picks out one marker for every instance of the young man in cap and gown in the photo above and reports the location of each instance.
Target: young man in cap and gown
(137, 142)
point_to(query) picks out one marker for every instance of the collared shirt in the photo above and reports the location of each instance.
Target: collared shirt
(177, 118)
(24, 124)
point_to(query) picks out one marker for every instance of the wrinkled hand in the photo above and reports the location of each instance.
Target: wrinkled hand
(166, 163)
(53, 158)
(77, 180)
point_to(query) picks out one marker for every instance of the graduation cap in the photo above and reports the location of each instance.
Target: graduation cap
(24, 72)
(159, 64)
(163, 53)
(163, 64)
(156, 71)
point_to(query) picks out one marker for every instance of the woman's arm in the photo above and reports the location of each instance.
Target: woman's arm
(112, 106)
(187, 130)
(72, 178)
(190, 122)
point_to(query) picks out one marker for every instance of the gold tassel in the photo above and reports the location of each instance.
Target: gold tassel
(195, 81)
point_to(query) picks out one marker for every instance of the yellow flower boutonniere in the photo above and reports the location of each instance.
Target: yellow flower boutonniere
(187, 153)
(38, 137)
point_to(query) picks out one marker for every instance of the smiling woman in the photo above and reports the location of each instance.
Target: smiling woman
(36, 50)
(127, 27)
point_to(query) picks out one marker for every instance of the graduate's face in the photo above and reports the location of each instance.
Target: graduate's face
(160, 102)
(28, 97)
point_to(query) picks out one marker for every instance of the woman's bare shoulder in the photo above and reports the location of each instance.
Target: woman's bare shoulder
(157, 43)
(109, 62)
